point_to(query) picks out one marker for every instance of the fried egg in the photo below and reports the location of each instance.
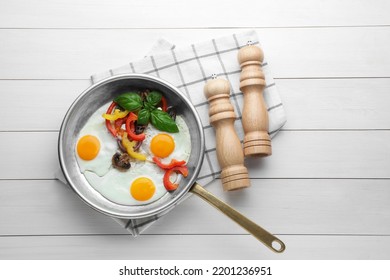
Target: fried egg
(95, 145)
(143, 182)
(168, 146)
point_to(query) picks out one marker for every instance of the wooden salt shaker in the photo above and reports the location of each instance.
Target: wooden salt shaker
(229, 151)
(257, 141)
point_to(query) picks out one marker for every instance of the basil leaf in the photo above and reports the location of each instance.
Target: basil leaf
(143, 116)
(163, 121)
(148, 106)
(130, 101)
(153, 98)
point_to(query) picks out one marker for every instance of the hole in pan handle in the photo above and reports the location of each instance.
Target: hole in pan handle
(269, 240)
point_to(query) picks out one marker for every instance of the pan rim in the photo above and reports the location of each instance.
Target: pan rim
(163, 207)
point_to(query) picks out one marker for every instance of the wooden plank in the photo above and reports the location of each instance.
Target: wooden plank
(309, 104)
(76, 54)
(296, 154)
(190, 14)
(192, 247)
(29, 155)
(336, 103)
(281, 206)
(49, 207)
(44, 103)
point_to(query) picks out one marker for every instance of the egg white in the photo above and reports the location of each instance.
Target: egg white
(182, 141)
(95, 126)
(114, 184)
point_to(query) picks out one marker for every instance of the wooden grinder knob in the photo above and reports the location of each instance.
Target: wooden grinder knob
(255, 115)
(229, 151)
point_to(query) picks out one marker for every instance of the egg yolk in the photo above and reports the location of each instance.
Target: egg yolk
(162, 145)
(88, 147)
(142, 189)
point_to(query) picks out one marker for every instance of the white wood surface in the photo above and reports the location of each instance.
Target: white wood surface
(188, 247)
(297, 154)
(336, 104)
(292, 52)
(285, 206)
(191, 14)
(325, 191)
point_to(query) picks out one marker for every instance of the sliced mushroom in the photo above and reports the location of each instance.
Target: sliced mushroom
(121, 161)
(139, 128)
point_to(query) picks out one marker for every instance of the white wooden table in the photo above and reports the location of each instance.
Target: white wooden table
(325, 191)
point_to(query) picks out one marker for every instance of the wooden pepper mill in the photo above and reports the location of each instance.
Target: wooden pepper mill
(257, 141)
(229, 151)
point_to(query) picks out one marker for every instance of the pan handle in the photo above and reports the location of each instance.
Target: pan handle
(258, 232)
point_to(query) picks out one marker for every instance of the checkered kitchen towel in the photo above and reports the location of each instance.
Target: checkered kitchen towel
(189, 68)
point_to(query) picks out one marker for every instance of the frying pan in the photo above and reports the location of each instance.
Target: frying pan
(104, 92)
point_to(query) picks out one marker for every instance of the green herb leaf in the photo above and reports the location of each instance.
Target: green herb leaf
(149, 106)
(163, 121)
(143, 116)
(130, 101)
(153, 98)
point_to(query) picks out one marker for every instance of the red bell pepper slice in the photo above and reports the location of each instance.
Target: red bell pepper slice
(118, 125)
(169, 186)
(164, 104)
(120, 122)
(109, 126)
(130, 128)
(172, 164)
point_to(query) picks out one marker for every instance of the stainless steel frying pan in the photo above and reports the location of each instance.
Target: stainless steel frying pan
(104, 92)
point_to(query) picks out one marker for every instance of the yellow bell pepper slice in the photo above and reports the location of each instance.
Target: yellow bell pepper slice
(118, 114)
(129, 145)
